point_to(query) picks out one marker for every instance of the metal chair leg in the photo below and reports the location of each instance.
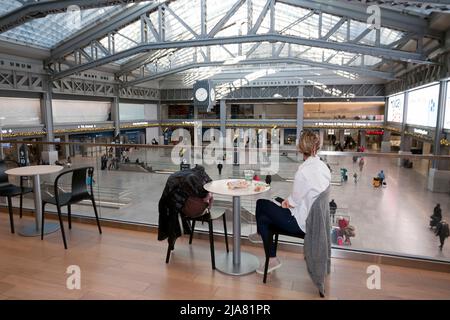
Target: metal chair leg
(267, 252)
(225, 231)
(168, 254)
(11, 218)
(266, 267)
(170, 247)
(69, 216)
(62, 226)
(21, 205)
(211, 243)
(192, 232)
(276, 242)
(96, 215)
(42, 222)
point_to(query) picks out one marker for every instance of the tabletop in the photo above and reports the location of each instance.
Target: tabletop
(220, 187)
(34, 170)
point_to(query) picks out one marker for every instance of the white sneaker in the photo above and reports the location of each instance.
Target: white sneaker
(255, 238)
(274, 264)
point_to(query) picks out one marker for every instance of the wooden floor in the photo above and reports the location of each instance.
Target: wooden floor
(123, 264)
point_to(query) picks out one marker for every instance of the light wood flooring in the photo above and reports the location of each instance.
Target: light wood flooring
(123, 264)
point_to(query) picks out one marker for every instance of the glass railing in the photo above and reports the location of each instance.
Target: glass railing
(390, 218)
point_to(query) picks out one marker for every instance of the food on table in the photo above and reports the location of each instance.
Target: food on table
(237, 184)
(260, 188)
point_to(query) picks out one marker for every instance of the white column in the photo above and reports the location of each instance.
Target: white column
(49, 155)
(223, 117)
(300, 111)
(115, 116)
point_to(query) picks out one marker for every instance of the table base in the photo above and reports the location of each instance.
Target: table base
(30, 230)
(249, 264)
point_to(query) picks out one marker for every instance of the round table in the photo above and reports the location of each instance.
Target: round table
(237, 263)
(32, 230)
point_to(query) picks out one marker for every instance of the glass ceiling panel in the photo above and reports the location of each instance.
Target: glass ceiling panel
(264, 50)
(187, 11)
(356, 28)
(388, 36)
(287, 18)
(370, 38)
(128, 37)
(49, 31)
(7, 6)
(237, 24)
(124, 60)
(341, 34)
(328, 22)
(216, 9)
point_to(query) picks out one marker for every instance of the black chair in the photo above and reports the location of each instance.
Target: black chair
(82, 189)
(275, 232)
(9, 190)
(213, 215)
(208, 217)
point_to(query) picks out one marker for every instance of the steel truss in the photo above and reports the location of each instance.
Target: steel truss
(35, 82)
(421, 75)
(85, 50)
(83, 87)
(18, 80)
(285, 92)
(139, 93)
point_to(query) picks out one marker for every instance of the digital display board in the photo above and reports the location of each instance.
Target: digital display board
(395, 108)
(423, 106)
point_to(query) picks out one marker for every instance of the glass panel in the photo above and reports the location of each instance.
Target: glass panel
(49, 31)
(388, 218)
(8, 6)
(389, 36)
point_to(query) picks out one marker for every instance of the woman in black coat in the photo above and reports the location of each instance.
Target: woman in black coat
(436, 217)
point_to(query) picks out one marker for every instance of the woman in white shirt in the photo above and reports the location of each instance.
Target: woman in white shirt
(312, 178)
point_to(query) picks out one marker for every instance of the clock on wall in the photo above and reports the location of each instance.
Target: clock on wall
(204, 94)
(201, 94)
(212, 95)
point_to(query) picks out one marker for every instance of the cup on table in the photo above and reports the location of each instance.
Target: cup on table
(248, 175)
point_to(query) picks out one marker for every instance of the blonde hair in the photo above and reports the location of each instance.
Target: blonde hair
(309, 143)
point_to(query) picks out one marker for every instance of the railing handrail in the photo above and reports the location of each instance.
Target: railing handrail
(269, 148)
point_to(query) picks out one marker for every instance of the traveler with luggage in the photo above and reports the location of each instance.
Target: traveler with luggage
(381, 177)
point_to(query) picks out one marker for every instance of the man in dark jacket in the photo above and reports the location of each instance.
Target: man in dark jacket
(333, 207)
(442, 230)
